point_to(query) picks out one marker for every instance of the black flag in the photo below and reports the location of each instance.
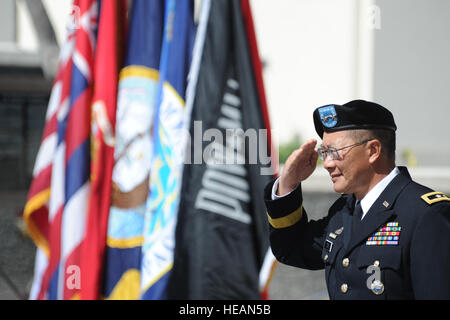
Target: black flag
(222, 231)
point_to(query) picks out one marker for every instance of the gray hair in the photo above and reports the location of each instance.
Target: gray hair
(386, 137)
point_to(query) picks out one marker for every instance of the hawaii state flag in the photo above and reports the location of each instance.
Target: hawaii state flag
(36, 211)
(56, 209)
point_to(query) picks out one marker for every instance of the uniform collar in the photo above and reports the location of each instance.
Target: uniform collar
(374, 193)
(382, 209)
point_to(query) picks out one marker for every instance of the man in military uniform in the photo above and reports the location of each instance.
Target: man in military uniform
(386, 237)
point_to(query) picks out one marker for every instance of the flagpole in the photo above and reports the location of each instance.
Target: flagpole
(196, 59)
(194, 71)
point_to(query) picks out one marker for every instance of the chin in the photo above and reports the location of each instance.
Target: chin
(339, 187)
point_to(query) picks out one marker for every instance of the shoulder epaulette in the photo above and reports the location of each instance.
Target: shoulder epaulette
(433, 197)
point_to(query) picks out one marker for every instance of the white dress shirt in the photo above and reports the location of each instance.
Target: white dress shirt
(371, 196)
(366, 202)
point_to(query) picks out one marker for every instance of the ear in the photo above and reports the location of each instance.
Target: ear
(374, 150)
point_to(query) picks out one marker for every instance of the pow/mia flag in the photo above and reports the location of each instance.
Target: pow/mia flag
(222, 232)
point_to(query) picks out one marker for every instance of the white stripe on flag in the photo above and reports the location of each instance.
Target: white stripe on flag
(40, 265)
(57, 183)
(45, 154)
(82, 65)
(73, 222)
(63, 109)
(72, 230)
(53, 102)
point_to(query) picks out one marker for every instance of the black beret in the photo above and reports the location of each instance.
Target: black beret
(356, 114)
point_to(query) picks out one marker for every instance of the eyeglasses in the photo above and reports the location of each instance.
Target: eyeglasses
(334, 153)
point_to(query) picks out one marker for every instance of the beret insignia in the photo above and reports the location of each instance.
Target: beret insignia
(328, 116)
(433, 197)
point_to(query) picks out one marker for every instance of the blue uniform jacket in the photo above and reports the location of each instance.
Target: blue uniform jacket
(400, 250)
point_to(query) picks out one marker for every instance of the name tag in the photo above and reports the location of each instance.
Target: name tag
(328, 245)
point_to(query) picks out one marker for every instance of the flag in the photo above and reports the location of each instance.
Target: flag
(108, 60)
(36, 211)
(165, 180)
(222, 232)
(55, 212)
(73, 163)
(136, 107)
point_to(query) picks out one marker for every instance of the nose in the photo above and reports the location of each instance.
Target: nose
(329, 163)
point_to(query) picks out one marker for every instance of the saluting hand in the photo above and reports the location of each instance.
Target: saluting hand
(298, 167)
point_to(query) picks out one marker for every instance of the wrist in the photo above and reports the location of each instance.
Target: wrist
(285, 189)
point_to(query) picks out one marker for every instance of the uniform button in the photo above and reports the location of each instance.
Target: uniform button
(345, 262)
(377, 287)
(325, 258)
(344, 288)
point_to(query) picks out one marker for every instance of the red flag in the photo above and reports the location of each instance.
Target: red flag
(107, 65)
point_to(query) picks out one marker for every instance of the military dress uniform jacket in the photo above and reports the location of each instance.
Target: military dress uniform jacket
(400, 250)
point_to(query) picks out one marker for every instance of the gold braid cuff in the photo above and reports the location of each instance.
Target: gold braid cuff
(286, 221)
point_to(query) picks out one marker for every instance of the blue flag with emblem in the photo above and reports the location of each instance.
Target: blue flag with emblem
(136, 107)
(168, 136)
